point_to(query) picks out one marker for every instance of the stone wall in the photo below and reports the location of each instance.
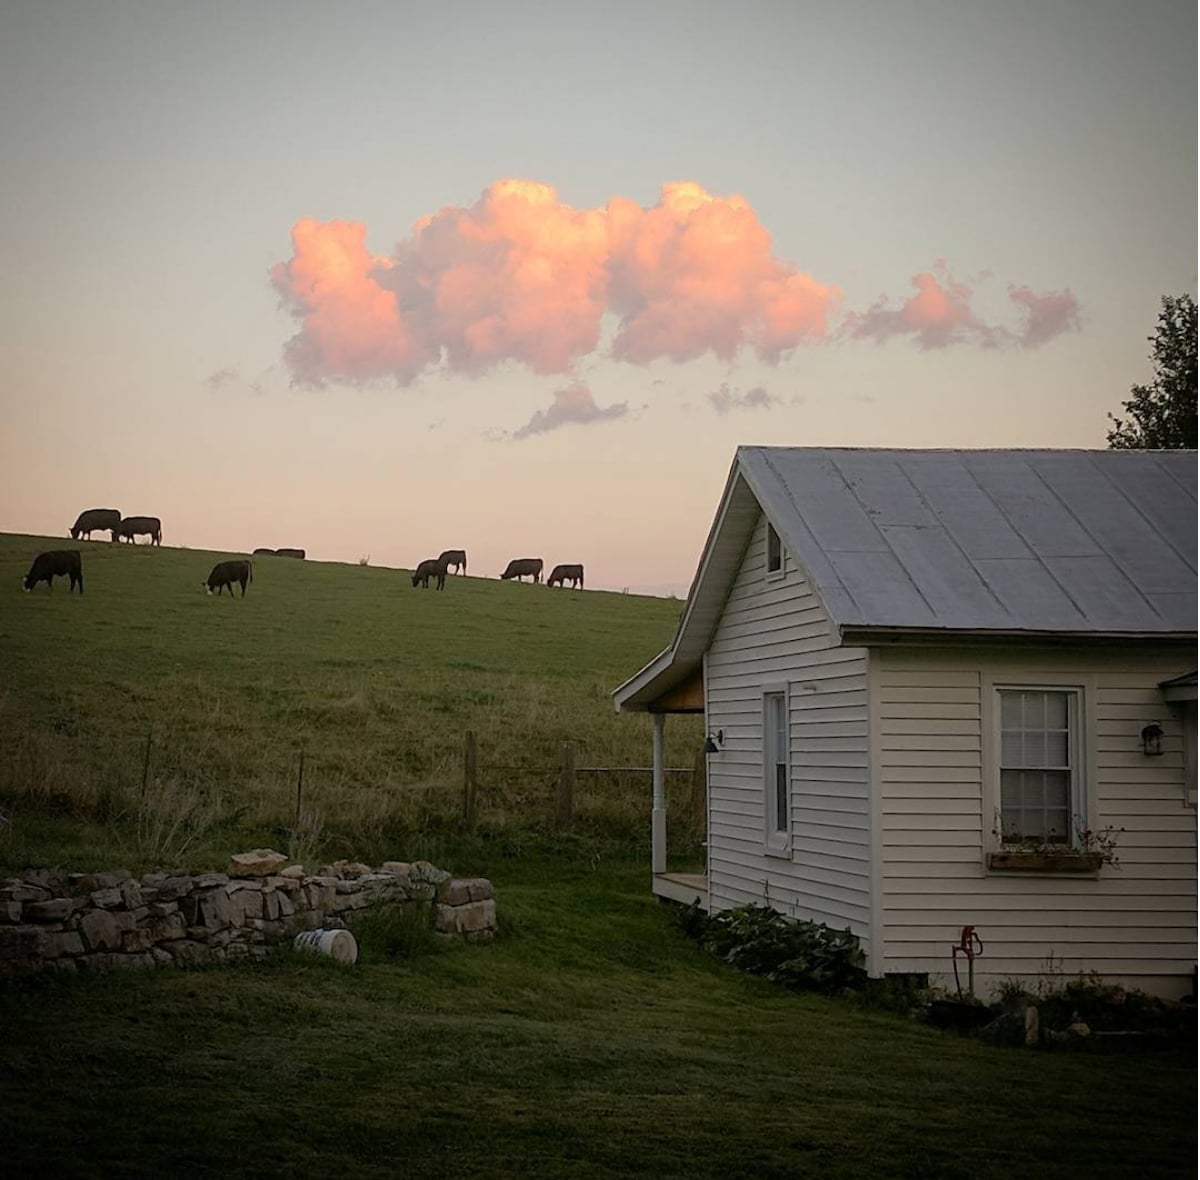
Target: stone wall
(50, 920)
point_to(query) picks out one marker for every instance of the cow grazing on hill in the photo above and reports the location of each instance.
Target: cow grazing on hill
(520, 566)
(456, 558)
(225, 573)
(96, 519)
(431, 567)
(572, 575)
(298, 553)
(47, 566)
(140, 526)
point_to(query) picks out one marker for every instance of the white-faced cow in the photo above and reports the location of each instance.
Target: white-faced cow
(47, 566)
(433, 567)
(456, 558)
(520, 566)
(96, 519)
(571, 575)
(225, 573)
(140, 526)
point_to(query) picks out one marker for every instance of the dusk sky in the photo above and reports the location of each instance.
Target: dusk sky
(386, 278)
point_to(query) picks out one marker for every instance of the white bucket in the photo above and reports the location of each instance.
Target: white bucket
(337, 944)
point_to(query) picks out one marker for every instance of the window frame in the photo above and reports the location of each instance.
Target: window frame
(776, 841)
(773, 575)
(1080, 724)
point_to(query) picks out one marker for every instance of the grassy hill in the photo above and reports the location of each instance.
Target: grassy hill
(375, 682)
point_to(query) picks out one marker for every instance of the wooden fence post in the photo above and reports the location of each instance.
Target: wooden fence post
(146, 762)
(299, 791)
(470, 774)
(566, 786)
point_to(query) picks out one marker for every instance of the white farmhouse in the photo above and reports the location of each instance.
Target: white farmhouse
(947, 689)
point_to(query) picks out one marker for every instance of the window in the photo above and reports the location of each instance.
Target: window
(774, 551)
(1040, 784)
(775, 772)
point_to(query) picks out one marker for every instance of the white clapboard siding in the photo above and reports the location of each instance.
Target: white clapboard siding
(774, 631)
(1134, 923)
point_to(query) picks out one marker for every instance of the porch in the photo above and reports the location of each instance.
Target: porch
(685, 695)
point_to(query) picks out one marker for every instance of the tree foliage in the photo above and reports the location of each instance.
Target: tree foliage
(1162, 415)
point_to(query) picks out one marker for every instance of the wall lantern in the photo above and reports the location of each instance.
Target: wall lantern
(1152, 739)
(714, 742)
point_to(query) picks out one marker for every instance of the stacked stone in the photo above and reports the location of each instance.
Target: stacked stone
(109, 921)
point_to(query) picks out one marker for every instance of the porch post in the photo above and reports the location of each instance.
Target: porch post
(658, 815)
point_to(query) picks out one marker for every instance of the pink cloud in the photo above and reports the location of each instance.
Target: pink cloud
(519, 276)
(572, 405)
(940, 314)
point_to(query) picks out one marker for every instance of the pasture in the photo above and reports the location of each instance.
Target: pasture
(589, 1039)
(375, 682)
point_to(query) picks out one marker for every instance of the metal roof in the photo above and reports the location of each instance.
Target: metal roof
(1100, 542)
(1030, 542)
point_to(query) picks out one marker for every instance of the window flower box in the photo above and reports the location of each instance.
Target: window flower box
(1027, 861)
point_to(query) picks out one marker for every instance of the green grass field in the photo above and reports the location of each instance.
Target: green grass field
(374, 681)
(589, 1039)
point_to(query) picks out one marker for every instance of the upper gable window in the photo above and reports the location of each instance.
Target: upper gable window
(774, 552)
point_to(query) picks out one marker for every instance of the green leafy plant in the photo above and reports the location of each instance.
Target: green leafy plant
(804, 955)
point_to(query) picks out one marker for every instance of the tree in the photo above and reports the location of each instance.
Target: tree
(1163, 413)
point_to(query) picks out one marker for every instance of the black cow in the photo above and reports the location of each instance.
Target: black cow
(290, 553)
(96, 518)
(138, 526)
(432, 567)
(225, 573)
(456, 558)
(520, 566)
(47, 566)
(570, 574)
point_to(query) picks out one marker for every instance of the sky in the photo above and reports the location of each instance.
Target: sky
(379, 279)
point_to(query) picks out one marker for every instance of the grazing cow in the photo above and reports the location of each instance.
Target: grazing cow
(570, 574)
(290, 553)
(225, 573)
(96, 519)
(47, 566)
(456, 558)
(138, 526)
(520, 566)
(431, 567)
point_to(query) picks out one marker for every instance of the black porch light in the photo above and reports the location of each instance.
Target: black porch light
(714, 742)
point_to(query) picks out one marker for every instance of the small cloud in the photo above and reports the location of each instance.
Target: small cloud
(1044, 316)
(572, 405)
(940, 315)
(221, 379)
(724, 399)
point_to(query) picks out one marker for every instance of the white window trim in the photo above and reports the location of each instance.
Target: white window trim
(773, 575)
(776, 843)
(1083, 748)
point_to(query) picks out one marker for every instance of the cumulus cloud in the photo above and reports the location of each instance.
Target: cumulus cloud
(572, 405)
(940, 314)
(519, 276)
(724, 399)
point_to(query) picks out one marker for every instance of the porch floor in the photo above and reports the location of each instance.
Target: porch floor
(685, 888)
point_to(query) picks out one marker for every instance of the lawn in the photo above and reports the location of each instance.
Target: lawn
(591, 1038)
